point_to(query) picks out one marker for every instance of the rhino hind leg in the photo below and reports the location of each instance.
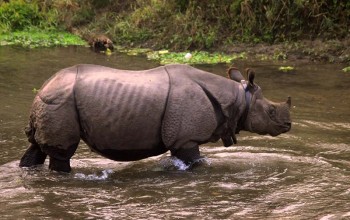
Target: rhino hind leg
(60, 158)
(33, 156)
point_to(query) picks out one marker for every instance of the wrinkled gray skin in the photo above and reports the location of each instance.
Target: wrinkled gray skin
(130, 115)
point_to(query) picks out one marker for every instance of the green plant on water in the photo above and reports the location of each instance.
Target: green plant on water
(107, 52)
(346, 69)
(134, 51)
(35, 90)
(196, 57)
(286, 68)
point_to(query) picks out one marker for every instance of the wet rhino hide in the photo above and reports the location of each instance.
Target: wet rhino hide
(130, 115)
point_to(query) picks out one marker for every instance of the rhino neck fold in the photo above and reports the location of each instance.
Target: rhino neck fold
(244, 115)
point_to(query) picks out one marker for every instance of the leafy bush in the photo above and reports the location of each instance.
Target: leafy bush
(206, 24)
(17, 15)
(184, 24)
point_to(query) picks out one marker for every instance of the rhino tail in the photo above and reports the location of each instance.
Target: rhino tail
(30, 132)
(33, 155)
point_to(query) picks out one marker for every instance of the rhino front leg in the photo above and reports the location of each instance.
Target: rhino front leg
(188, 153)
(33, 156)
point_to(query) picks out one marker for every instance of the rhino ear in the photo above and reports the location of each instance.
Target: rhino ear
(251, 76)
(234, 74)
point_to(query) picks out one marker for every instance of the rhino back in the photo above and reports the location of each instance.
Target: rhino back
(121, 110)
(57, 89)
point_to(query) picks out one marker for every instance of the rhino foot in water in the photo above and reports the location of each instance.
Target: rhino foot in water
(131, 115)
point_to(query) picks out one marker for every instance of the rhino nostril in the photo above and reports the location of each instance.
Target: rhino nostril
(289, 124)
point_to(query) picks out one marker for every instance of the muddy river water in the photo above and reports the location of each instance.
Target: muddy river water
(303, 174)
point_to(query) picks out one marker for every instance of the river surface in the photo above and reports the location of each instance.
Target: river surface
(303, 174)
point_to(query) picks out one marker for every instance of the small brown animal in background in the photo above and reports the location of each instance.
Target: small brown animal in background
(101, 43)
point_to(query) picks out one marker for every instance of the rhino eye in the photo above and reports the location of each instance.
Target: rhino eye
(272, 111)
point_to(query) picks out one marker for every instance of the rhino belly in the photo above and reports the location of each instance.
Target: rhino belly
(130, 155)
(122, 120)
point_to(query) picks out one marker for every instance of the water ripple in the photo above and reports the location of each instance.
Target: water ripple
(238, 182)
(324, 125)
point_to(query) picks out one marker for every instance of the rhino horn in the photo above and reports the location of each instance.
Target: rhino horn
(234, 74)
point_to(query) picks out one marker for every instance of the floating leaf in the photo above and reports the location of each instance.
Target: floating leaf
(35, 90)
(286, 68)
(134, 51)
(163, 51)
(108, 52)
(346, 69)
(196, 57)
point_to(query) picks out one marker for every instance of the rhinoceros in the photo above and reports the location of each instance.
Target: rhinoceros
(128, 115)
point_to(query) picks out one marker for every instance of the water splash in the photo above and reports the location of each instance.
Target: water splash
(105, 174)
(203, 160)
(174, 163)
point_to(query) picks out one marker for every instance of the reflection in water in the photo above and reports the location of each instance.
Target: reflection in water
(299, 175)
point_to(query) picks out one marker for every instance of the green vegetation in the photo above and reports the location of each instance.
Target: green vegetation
(27, 24)
(196, 57)
(40, 38)
(188, 25)
(133, 51)
(20, 15)
(35, 90)
(286, 68)
(346, 69)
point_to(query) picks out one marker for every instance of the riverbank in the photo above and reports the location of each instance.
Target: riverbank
(331, 51)
(264, 30)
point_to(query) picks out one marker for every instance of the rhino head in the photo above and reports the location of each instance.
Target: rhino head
(260, 115)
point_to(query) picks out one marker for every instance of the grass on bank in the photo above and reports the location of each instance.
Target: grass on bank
(34, 39)
(181, 25)
(29, 24)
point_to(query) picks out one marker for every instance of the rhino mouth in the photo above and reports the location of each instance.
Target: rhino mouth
(286, 126)
(281, 129)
